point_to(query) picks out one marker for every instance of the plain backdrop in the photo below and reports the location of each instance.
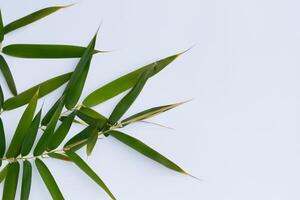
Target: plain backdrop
(240, 133)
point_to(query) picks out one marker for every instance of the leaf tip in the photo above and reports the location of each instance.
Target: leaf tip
(190, 175)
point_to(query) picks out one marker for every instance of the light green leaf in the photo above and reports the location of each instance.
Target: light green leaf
(3, 173)
(2, 141)
(1, 28)
(31, 18)
(44, 51)
(84, 167)
(8, 75)
(23, 126)
(49, 180)
(31, 134)
(26, 180)
(11, 181)
(145, 150)
(124, 83)
(45, 88)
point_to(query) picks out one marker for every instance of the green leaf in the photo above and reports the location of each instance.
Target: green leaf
(31, 134)
(23, 126)
(26, 180)
(11, 181)
(8, 76)
(77, 80)
(48, 133)
(128, 99)
(84, 167)
(80, 139)
(50, 113)
(1, 28)
(92, 140)
(31, 18)
(62, 131)
(145, 150)
(1, 98)
(149, 113)
(3, 173)
(91, 117)
(45, 88)
(59, 156)
(2, 141)
(49, 180)
(44, 51)
(124, 83)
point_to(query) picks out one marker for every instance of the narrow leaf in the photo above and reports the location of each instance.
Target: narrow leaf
(31, 18)
(23, 126)
(1, 28)
(3, 173)
(92, 140)
(8, 76)
(1, 98)
(50, 113)
(91, 117)
(45, 88)
(80, 139)
(26, 180)
(124, 83)
(145, 150)
(2, 141)
(11, 181)
(84, 167)
(59, 156)
(49, 180)
(44, 51)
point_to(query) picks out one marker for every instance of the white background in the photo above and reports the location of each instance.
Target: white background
(240, 134)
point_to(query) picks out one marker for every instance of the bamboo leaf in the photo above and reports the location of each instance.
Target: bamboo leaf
(1, 98)
(49, 180)
(124, 83)
(48, 133)
(31, 134)
(62, 131)
(80, 139)
(3, 173)
(31, 18)
(59, 156)
(84, 167)
(1, 28)
(92, 140)
(145, 150)
(2, 141)
(128, 100)
(44, 51)
(11, 181)
(8, 76)
(91, 117)
(50, 113)
(26, 180)
(45, 88)
(23, 126)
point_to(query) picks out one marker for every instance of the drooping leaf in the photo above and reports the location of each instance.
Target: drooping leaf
(45, 139)
(1, 98)
(80, 139)
(1, 28)
(145, 150)
(59, 156)
(91, 117)
(11, 181)
(62, 131)
(92, 140)
(77, 80)
(26, 180)
(3, 173)
(84, 167)
(146, 114)
(49, 180)
(45, 88)
(31, 134)
(23, 126)
(31, 18)
(2, 141)
(128, 99)
(124, 83)
(8, 76)
(44, 51)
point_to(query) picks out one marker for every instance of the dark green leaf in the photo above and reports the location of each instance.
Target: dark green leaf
(49, 180)
(23, 126)
(8, 76)
(124, 83)
(1, 99)
(31, 18)
(2, 141)
(31, 134)
(3, 173)
(84, 167)
(91, 117)
(128, 99)
(80, 139)
(45, 88)
(11, 181)
(92, 140)
(26, 180)
(1, 28)
(62, 131)
(59, 156)
(47, 135)
(145, 150)
(44, 51)
(50, 113)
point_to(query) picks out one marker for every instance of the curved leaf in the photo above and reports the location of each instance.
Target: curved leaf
(2, 141)
(84, 167)
(45, 88)
(8, 76)
(44, 51)
(145, 150)
(124, 83)
(26, 180)
(49, 180)
(3, 173)
(11, 181)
